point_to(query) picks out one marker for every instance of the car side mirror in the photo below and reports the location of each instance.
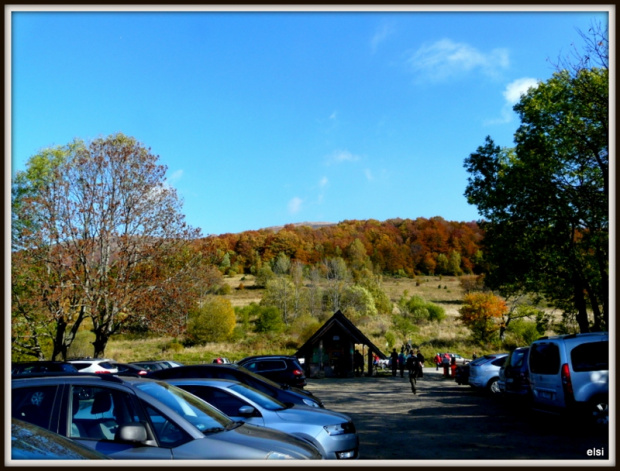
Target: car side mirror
(246, 411)
(134, 432)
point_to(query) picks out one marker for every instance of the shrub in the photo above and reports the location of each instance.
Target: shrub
(213, 322)
(269, 320)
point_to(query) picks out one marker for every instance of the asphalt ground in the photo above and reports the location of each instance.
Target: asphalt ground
(445, 422)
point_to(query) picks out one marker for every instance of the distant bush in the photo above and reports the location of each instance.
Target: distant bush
(213, 322)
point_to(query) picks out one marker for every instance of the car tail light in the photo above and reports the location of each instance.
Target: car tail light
(102, 372)
(298, 373)
(567, 383)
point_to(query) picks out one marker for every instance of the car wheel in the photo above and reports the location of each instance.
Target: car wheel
(598, 410)
(493, 387)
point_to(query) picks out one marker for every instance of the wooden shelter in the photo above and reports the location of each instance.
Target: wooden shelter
(331, 349)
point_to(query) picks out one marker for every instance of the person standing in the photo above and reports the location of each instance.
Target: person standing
(401, 362)
(358, 359)
(437, 361)
(394, 360)
(420, 364)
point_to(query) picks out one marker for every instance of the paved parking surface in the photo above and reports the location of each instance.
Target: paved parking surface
(445, 421)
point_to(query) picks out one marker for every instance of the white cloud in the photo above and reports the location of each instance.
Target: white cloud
(518, 88)
(294, 205)
(342, 156)
(369, 175)
(323, 182)
(445, 58)
(384, 31)
(512, 94)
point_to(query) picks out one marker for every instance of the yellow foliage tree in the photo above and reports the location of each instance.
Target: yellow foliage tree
(214, 321)
(482, 313)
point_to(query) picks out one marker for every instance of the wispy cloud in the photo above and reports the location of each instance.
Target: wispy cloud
(512, 94)
(294, 205)
(341, 156)
(369, 175)
(383, 32)
(323, 182)
(175, 177)
(446, 58)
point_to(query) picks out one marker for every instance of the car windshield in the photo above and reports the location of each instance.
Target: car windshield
(258, 397)
(200, 414)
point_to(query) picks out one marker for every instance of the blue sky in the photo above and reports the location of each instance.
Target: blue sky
(268, 118)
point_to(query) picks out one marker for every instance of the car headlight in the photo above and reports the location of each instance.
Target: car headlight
(340, 429)
(274, 455)
(310, 402)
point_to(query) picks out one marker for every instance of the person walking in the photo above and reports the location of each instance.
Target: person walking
(394, 360)
(401, 362)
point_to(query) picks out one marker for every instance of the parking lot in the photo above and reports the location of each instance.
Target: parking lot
(445, 421)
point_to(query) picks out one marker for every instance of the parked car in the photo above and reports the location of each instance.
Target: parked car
(459, 360)
(94, 365)
(30, 442)
(37, 367)
(514, 378)
(331, 432)
(221, 360)
(238, 373)
(126, 368)
(281, 369)
(570, 374)
(153, 365)
(484, 372)
(127, 417)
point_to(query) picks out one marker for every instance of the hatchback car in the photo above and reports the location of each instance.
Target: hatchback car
(137, 418)
(280, 369)
(30, 442)
(484, 372)
(238, 373)
(331, 432)
(35, 367)
(94, 365)
(514, 378)
(570, 373)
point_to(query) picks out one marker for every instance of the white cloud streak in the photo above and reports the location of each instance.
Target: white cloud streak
(446, 58)
(294, 205)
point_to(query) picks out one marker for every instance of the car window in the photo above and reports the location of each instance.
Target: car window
(544, 358)
(34, 404)
(168, 433)
(81, 366)
(271, 365)
(258, 397)
(592, 356)
(224, 401)
(498, 361)
(97, 412)
(200, 414)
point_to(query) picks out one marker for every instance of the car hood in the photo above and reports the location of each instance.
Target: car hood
(312, 415)
(268, 440)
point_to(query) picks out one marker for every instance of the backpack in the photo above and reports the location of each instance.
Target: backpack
(445, 360)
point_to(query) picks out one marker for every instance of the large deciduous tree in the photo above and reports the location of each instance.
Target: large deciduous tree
(107, 234)
(546, 201)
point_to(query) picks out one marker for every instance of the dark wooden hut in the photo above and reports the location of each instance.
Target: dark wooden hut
(331, 349)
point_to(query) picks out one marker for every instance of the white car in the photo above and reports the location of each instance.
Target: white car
(94, 365)
(570, 373)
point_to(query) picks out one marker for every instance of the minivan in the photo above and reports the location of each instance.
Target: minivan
(570, 373)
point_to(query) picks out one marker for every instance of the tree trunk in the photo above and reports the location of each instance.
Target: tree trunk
(582, 310)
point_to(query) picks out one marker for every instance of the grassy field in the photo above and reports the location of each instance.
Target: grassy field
(449, 335)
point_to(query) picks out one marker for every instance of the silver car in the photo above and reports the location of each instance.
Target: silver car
(484, 372)
(331, 432)
(138, 418)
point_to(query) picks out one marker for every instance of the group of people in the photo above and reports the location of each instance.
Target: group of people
(410, 359)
